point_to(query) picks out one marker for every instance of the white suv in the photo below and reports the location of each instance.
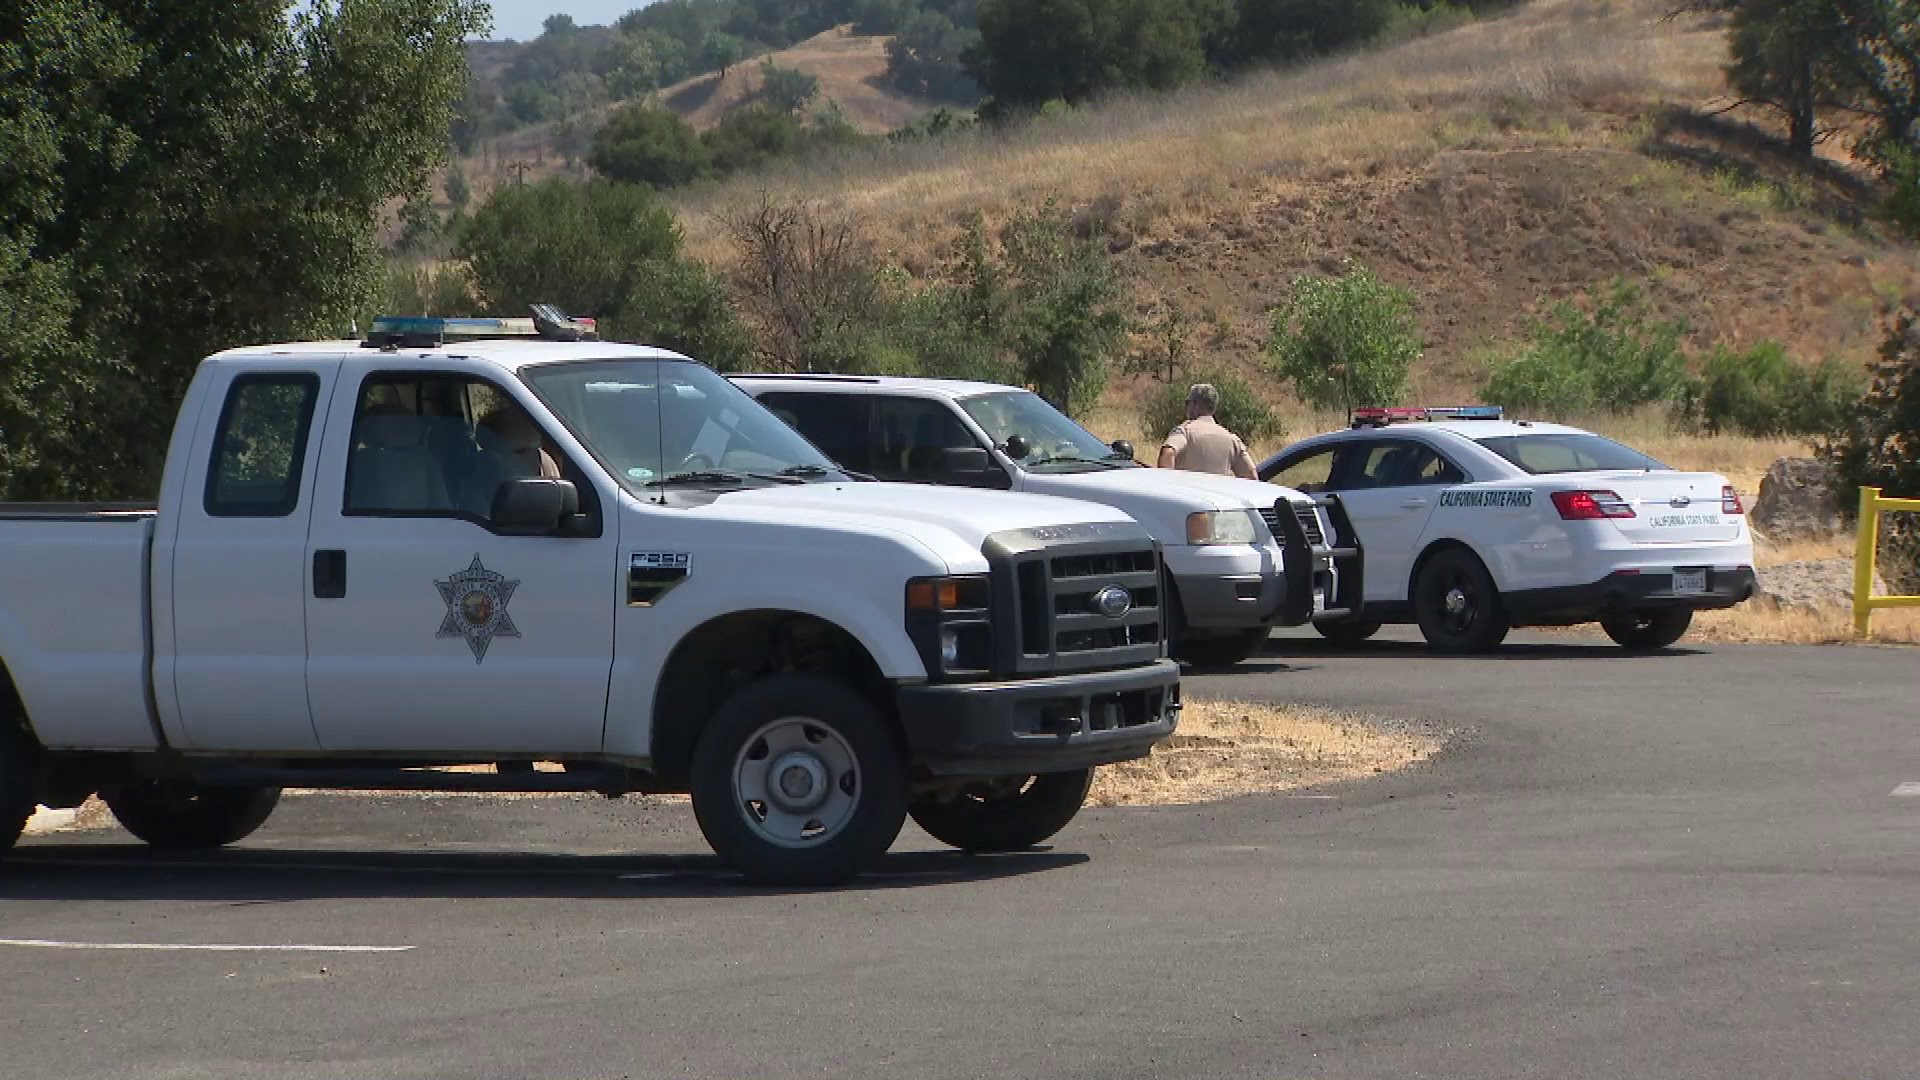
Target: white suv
(1243, 557)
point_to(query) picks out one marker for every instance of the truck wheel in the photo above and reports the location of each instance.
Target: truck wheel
(1347, 631)
(1224, 650)
(182, 814)
(16, 779)
(1457, 605)
(1005, 815)
(798, 780)
(1648, 629)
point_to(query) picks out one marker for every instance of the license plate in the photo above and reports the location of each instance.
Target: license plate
(1689, 582)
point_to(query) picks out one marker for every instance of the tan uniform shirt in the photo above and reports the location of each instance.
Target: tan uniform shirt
(1202, 445)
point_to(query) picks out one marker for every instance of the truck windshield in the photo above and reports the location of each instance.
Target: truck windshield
(654, 423)
(1050, 441)
(1548, 453)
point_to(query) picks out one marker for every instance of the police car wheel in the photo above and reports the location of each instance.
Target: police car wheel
(1347, 631)
(1458, 606)
(798, 780)
(1648, 629)
(1005, 815)
(183, 815)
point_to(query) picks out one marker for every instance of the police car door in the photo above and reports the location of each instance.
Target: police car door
(427, 627)
(1389, 486)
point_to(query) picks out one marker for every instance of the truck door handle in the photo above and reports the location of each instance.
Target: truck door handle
(1413, 504)
(329, 574)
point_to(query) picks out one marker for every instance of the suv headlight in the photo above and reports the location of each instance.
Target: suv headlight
(1222, 527)
(950, 623)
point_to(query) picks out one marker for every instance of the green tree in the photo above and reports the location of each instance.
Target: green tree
(927, 58)
(1068, 314)
(459, 188)
(1241, 409)
(720, 51)
(180, 181)
(1034, 51)
(1874, 447)
(1270, 30)
(749, 138)
(642, 144)
(607, 250)
(787, 89)
(1345, 341)
(420, 225)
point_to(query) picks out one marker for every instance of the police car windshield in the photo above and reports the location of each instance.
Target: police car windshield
(1548, 453)
(1053, 442)
(658, 422)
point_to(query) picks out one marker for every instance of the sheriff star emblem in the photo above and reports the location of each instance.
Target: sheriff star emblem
(477, 607)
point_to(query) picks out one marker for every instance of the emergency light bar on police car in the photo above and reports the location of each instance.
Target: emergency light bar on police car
(1380, 417)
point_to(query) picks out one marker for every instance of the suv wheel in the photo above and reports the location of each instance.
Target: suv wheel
(1648, 629)
(797, 780)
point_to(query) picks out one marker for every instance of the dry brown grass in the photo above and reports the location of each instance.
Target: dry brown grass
(1182, 161)
(852, 73)
(1224, 749)
(1759, 623)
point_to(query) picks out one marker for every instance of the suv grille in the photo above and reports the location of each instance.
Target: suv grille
(1308, 517)
(1056, 587)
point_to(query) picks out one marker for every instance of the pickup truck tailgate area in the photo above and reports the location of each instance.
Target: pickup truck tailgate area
(74, 623)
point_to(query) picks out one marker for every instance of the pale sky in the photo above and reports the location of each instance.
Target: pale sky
(520, 19)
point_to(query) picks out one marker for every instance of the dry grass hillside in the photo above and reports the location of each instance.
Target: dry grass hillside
(1490, 169)
(851, 69)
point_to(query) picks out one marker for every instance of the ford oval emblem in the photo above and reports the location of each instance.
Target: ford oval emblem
(1113, 601)
(1680, 500)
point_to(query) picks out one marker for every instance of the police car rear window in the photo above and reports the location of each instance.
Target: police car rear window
(1542, 454)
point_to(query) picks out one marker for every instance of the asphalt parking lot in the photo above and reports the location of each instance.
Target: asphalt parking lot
(1696, 864)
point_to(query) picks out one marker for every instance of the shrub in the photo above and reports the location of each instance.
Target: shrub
(1903, 196)
(1615, 358)
(1345, 341)
(1761, 391)
(786, 88)
(1241, 409)
(640, 144)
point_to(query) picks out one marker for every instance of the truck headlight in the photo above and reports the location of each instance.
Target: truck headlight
(1221, 527)
(949, 620)
(950, 648)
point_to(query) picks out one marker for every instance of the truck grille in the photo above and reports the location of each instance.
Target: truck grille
(1308, 517)
(1054, 578)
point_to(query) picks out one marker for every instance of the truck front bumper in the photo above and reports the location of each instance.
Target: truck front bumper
(1053, 724)
(1235, 602)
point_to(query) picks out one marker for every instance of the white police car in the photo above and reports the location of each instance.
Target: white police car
(1472, 524)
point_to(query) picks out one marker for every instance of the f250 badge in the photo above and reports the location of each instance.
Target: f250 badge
(477, 601)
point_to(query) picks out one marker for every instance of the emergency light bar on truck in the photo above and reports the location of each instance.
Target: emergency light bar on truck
(1378, 417)
(427, 332)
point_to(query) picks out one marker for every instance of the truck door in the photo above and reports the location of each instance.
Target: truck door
(428, 630)
(231, 619)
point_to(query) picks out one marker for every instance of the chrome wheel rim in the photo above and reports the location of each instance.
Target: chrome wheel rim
(796, 782)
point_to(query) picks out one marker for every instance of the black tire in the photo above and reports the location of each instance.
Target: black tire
(1217, 651)
(1347, 631)
(181, 815)
(1647, 629)
(1457, 605)
(839, 733)
(1009, 816)
(17, 772)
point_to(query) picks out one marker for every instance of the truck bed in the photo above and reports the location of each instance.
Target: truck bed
(75, 630)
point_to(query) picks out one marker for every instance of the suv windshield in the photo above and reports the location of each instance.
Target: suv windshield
(659, 422)
(1052, 441)
(1542, 454)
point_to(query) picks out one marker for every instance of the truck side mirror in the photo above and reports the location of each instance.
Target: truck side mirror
(964, 461)
(1016, 448)
(531, 504)
(1123, 448)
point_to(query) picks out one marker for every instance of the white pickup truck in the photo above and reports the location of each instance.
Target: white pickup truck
(1243, 556)
(444, 547)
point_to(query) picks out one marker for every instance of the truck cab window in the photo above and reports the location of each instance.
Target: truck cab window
(435, 445)
(259, 446)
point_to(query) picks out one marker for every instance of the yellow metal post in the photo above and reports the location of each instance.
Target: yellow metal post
(1863, 560)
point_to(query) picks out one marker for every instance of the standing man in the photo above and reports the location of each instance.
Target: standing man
(1201, 444)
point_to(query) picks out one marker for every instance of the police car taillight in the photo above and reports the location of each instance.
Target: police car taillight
(1730, 501)
(1590, 505)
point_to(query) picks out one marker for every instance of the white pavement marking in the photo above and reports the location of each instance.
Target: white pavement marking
(142, 946)
(1909, 790)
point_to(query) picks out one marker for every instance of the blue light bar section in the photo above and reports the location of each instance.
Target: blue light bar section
(1467, 412)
